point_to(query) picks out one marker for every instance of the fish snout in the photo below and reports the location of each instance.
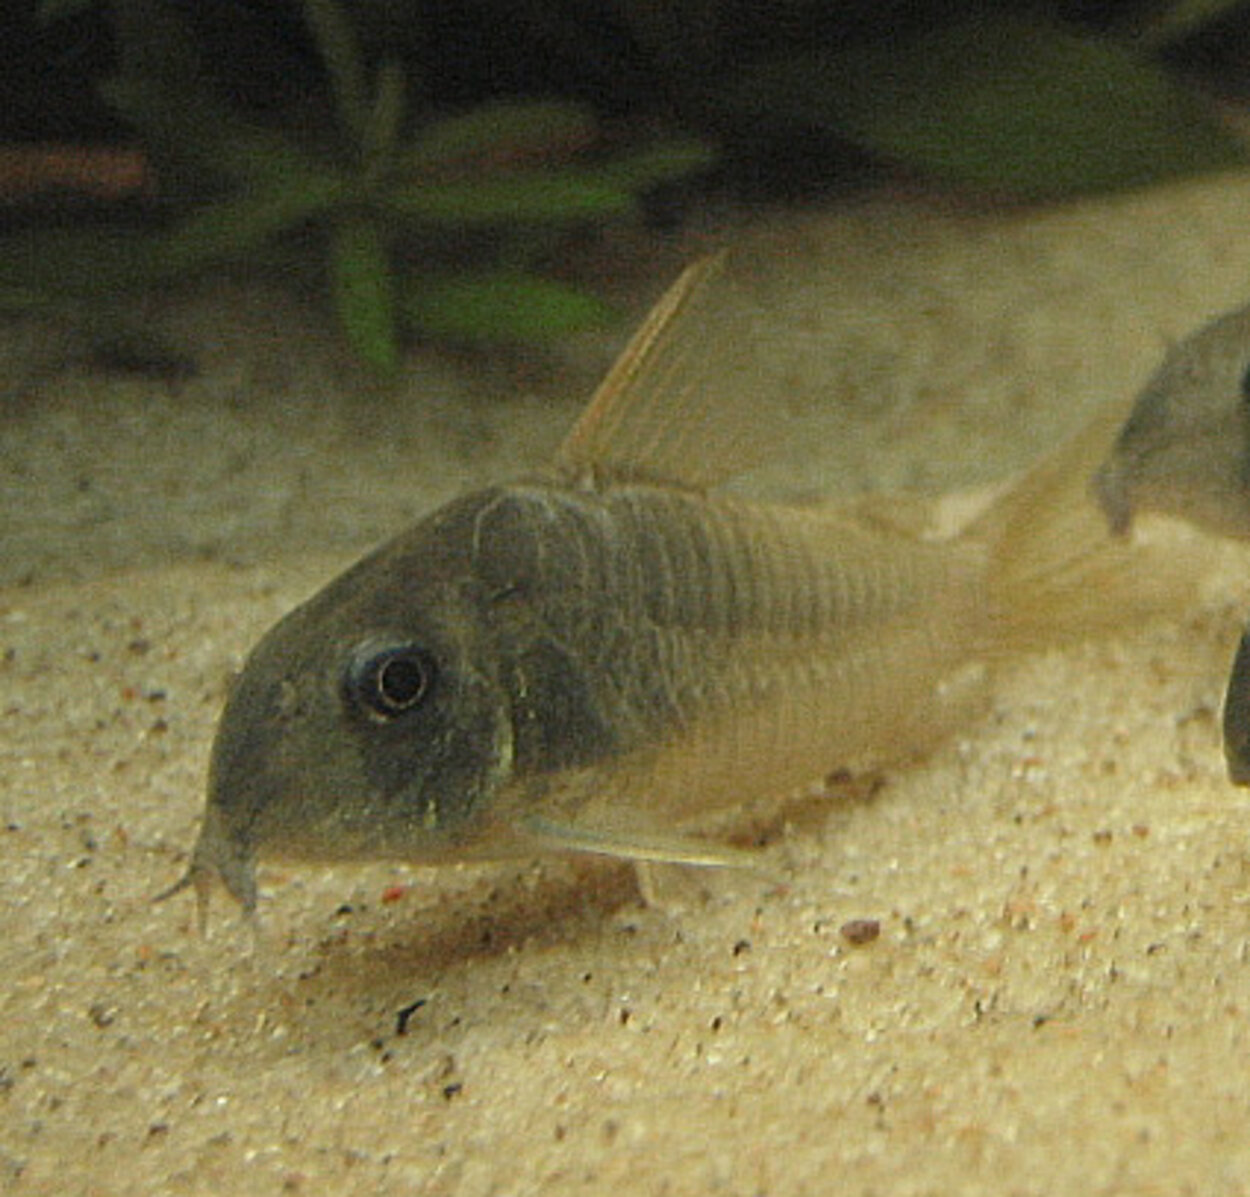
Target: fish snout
(1237, 715)
(244, 784)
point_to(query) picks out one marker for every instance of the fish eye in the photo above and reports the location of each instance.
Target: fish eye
(390, 682)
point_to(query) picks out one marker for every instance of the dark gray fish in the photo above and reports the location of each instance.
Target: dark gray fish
(609, 655)
(1185, 449)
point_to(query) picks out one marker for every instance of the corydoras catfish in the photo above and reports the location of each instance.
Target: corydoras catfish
(611, 654)
(1184, 450)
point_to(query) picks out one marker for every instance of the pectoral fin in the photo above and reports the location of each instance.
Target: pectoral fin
(659, 849)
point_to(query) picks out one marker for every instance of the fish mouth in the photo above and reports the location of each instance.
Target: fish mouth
(216, 859)
(228, 858)
(241, 791)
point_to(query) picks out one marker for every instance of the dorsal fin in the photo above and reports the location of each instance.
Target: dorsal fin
(681, 403)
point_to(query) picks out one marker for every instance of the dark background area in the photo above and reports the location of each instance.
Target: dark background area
(428, 167)
(639, 62)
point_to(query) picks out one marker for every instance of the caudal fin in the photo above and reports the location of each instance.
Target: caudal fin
(1056, 572)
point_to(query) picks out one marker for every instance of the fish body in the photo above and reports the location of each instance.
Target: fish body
(617, 660)
(608, 656)
(1184, 450)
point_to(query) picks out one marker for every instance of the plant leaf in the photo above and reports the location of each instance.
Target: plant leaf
(497, 136)
(363, 292)
(340, 51)
(385, 115)
(232, 228)
(500, 305)
(547, 197)
(660, 163)
(1007, 102)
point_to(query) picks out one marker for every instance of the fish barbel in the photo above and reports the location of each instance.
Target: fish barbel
(609, 654)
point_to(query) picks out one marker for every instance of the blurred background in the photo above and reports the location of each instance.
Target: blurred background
(430, 169)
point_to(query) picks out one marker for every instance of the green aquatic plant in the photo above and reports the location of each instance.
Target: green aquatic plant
(428, 220)
(399, 199)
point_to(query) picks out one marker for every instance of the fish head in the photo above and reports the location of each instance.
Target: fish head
(367, 724)
(1185, 449)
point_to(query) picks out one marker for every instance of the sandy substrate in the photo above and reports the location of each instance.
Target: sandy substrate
(1059, 997)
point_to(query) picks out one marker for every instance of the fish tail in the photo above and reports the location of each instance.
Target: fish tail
(1056, 572)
